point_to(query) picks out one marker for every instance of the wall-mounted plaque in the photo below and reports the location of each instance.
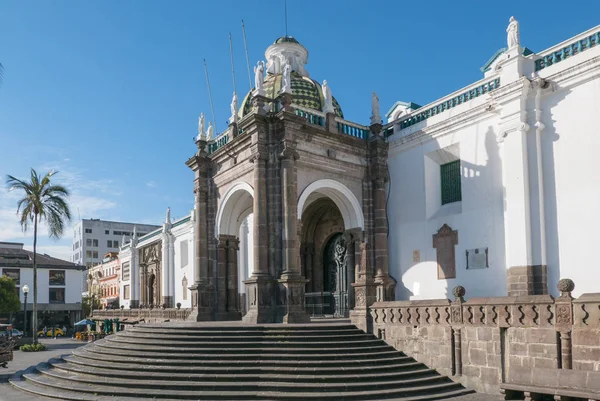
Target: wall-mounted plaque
(416, 256)
(477, 258)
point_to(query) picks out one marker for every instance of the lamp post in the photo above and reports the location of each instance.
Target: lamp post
(25, 290)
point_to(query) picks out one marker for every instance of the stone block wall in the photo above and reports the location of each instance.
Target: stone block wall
(485, 342)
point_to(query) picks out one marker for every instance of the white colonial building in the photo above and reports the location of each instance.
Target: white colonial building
(491, 187)
(508, 165)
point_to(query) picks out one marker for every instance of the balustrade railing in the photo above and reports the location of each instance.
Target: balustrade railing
(355, 130)
(449, 102)
(312, 117)
(565, 50)
(156, 314)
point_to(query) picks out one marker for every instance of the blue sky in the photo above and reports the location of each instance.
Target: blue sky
(109, 92)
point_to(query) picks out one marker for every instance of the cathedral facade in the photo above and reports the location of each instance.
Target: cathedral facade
(491, 187)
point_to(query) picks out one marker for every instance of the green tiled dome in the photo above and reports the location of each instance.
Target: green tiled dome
(306, 93)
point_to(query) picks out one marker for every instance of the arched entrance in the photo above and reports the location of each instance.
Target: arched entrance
(332, 222)
(234, 251)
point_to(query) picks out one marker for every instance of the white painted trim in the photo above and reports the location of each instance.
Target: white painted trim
(227, 219)
(344, 199)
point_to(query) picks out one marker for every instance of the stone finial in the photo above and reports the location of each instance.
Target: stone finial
(459, 292)
(565, 286)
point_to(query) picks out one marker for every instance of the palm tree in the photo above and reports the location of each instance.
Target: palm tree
(42, 201)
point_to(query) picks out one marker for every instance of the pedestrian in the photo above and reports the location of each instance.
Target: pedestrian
(45, 331)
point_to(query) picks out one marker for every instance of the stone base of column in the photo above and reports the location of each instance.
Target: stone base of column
(134, 304)
(527, 280)
(386, 288)
(167, 300)
(293, 310)
(364, 297)
(202, 295)
(261, 295)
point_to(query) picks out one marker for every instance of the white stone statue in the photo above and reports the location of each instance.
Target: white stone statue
(209, 133)
(234, 107)
(512, 33)
(259, 78)
(200, 127)
(286, 77)
(328, 107)
(272, 64)
(375, 116)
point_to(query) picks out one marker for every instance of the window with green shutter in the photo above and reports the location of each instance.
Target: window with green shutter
(450, 180)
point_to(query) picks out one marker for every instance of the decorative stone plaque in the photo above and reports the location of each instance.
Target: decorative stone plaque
(477, 258)
(444, 242)
(416, 256)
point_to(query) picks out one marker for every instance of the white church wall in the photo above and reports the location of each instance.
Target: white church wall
(416, 213)
(572, 196)
(184, 264)
(126, 271)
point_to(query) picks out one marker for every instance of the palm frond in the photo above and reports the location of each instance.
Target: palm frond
(43, 199)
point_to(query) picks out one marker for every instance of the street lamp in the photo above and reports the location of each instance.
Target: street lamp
(25, 290)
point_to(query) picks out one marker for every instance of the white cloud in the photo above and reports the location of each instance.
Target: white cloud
(151, 184)
(88, 198)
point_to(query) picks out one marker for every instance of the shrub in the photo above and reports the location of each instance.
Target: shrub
(33, 347)
(178, 305)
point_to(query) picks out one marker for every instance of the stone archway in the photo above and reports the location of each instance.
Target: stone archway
(151, 275)
(234, 209)
(331, 218)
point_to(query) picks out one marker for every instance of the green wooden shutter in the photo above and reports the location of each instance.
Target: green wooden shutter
(450, 181)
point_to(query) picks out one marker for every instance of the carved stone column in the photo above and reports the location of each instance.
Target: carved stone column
(202, 291)
(378, 147)
(291, 278)
(351, 267)
(259, 287)
(232, 279)
(221, 283)
(456, 323)
(364, 288)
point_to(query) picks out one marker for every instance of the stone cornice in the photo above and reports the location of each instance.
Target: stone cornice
(575, 75)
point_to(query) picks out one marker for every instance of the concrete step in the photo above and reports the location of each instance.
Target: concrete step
(405, 364)
(263, 373)
(265, 391)
(262, 384)
(235, 362)
(308, 361)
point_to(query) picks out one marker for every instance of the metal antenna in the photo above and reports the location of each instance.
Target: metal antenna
(232, 66)
(247, 59)
(285, 11)
(210, 97)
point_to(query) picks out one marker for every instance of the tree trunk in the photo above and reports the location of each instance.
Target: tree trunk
(35, 292)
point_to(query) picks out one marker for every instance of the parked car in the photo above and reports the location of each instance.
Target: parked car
(50, 333)
(12, 333)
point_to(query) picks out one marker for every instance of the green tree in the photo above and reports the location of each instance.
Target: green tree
(9, 298)
(41, 201)
(86, 303)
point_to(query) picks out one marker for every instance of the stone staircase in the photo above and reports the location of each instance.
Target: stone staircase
(234, 362)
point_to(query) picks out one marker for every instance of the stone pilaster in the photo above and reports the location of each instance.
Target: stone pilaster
(330, 123)
(232, 278)
(202, 291)
(364, 289)
(291, 278)
(386, 285)
(221, 283)
(260, 286)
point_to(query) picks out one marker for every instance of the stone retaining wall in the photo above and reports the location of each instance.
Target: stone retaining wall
(484, 342)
